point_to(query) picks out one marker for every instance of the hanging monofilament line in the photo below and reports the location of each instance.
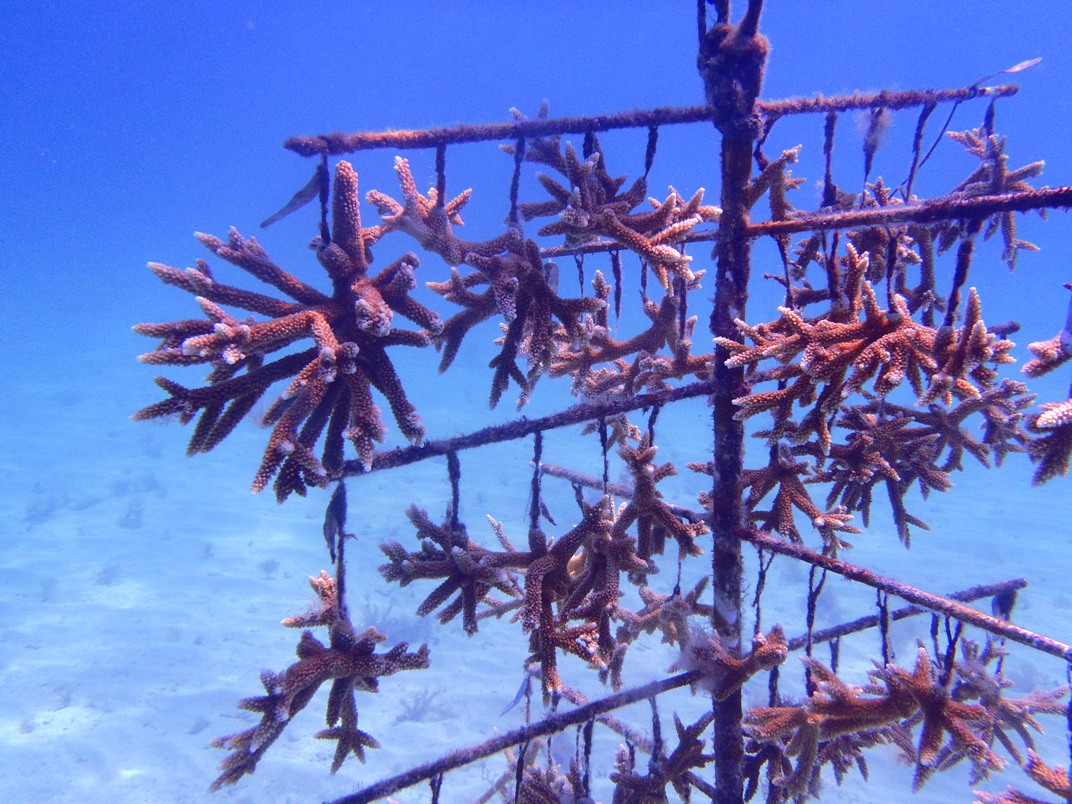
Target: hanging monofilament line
(589, 146)
(815, 589)
(833, 274)
(556, 699)
(656, 736)
(616, 273)
(829, 188)
(335, 519)
(936, 647)
(917, 144)
(334, 530)
(988, 117)
(454, 472)
(652, 418)
(878, 124)
(316, 186)
(586, 755)
(537, 545)
(604, 446)
(891, 265)
(935, 631)
(948, 659)
(324, 192)
(680, 291)
(787, 278)
(649, 150)
(960, 273)
(882, 600)
(941, 134)
(441, 175)
(519, 769)
(774, 697)
(761, 584)
(515, 178)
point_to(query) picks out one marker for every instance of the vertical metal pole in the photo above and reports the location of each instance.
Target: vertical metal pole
(731, 62)
(728, 455)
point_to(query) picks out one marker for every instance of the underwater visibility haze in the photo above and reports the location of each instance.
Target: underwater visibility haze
(742, 391)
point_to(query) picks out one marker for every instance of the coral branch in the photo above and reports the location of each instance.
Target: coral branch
(349, 662)
(351, 330)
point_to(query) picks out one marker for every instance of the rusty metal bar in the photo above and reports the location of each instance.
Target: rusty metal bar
(942, 209)
(871, 621)
(925, 601)
(520, 428)
(341, 143)
(936, 603)
(922, 212)
(550, 725)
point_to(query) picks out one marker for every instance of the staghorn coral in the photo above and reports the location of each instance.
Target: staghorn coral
(960, 715)
(1052, 451)
(654, 519)
(673, 770)
(858, 387)
(519, 287)
(591, 206)
(430, 220)
(857, 348)
(841, 352)
(349, 661)
(718, 671)
(993, 177)
(548, 580)
(784, 473)
(467, 569)
(1054, 779)
(837, 710)
(330, 384)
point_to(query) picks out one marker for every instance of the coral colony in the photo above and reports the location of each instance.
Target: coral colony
(876, 375)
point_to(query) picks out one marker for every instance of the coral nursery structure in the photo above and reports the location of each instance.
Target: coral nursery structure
(872, 382)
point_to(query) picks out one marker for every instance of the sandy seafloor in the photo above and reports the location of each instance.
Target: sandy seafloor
(141, 591)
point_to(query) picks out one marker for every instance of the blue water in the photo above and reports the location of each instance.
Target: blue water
(142, 589)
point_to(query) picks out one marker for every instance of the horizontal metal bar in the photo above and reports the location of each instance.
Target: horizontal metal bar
(520, 428)
(342, 143)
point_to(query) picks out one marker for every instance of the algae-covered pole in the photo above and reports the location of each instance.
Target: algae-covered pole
(731, 63)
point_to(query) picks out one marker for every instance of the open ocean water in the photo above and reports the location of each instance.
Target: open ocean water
(141, 590)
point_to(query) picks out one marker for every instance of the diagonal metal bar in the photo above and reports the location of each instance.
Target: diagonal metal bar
(871, 621)
(953, 605)
(550, 725)
(927, 600)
